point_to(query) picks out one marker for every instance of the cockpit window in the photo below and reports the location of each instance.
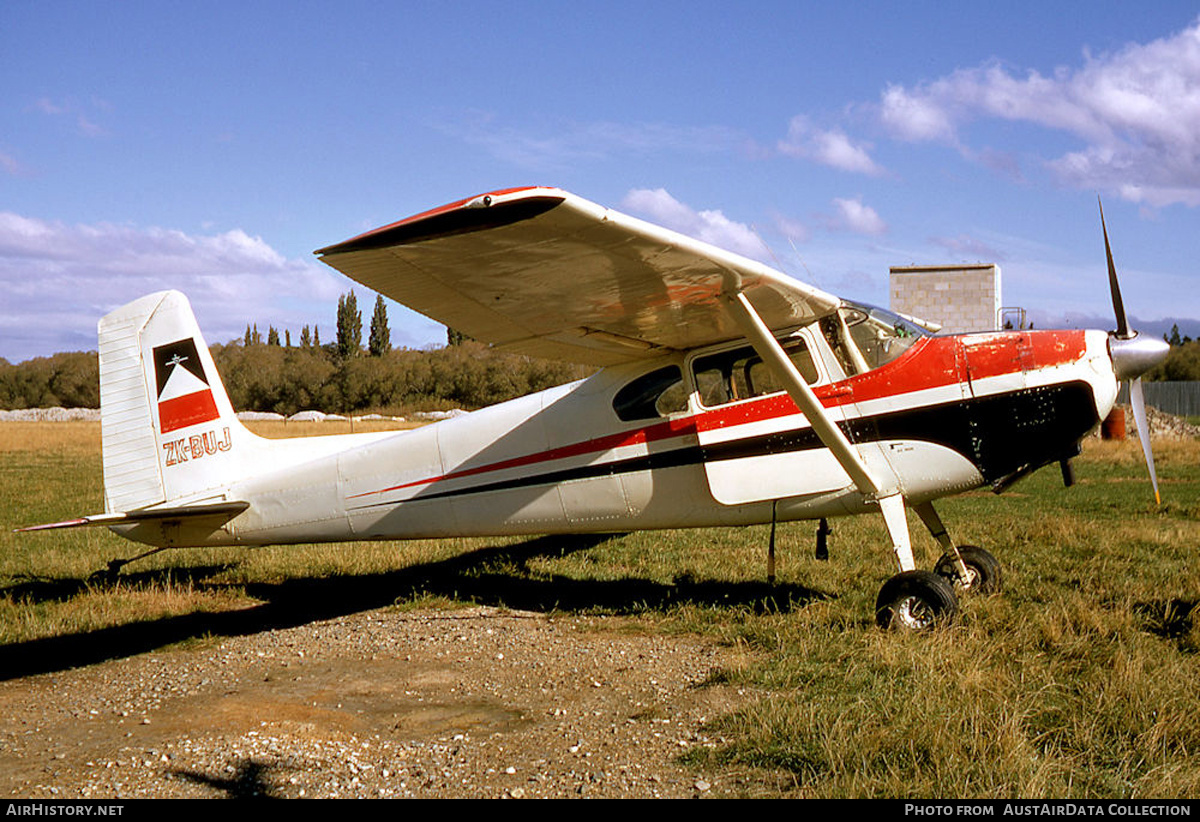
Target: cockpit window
(864, 337)
(657, 394)
(738, 374)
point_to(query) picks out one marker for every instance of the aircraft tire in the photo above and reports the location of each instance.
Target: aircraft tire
(984, 570)
(915, 601)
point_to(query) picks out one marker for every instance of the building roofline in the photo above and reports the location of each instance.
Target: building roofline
(922, 268)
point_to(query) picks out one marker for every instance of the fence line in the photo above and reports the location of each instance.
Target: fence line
(1179, 398)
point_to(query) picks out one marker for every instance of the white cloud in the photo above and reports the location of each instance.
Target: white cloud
(852, 215)
(9, 164)
(791, 228)
(712, 227)
(47, 106)
(827, 147)
(59, 279)
(970, 248)
(84, 123)
(89, 128)
(558, 145)
(1137, 112)
(916, 116)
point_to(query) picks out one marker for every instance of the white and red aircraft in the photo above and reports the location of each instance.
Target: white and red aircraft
(730, 394)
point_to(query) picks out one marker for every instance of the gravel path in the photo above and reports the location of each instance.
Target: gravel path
(469, 703)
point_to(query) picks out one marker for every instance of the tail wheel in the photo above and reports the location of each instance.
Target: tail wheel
(983, 571)
(915, 601)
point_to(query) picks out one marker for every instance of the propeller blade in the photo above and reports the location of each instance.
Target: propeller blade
(1113, 286)
(1143, 428)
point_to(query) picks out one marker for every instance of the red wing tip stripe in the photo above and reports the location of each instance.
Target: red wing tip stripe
(366, 237)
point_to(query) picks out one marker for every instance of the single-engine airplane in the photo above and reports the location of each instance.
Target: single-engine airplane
(729, 394)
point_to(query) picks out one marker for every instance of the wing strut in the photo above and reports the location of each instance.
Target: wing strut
(891, 503)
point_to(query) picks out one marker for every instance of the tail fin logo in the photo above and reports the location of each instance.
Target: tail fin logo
(184, 395)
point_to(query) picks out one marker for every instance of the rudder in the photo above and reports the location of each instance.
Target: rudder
(168, 430)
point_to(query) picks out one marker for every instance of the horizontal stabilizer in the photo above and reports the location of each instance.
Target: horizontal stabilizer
(228, 510)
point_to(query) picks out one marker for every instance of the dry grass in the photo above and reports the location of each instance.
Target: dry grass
(71, 438)
(1082, 679)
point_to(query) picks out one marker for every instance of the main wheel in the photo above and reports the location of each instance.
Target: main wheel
(983, 571)
(916, 601)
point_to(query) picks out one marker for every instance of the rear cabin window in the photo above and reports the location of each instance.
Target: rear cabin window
(652, 395)
(739, 374)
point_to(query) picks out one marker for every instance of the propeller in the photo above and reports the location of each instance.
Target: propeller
(1132, 356)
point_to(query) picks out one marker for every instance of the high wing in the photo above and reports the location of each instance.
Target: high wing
(543, 272)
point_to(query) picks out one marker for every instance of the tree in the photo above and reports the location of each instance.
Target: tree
(454, 337)
(349, 326)
(272, 336)
(287, 338)
(305, 337)
(381, 336)
(1181, 365)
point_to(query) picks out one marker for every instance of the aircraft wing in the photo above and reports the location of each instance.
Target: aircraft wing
(543, 272)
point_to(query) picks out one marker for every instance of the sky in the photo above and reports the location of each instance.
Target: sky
(211, 147)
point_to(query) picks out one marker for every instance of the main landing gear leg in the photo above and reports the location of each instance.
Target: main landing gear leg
(897, 525)
(967, 567)
(916, 599)
(771, 546)
(912, 599)
(823, 532)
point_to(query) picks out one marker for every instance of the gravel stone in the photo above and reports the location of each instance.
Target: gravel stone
(439, 704)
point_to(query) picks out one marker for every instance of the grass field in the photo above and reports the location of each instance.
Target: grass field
(1081, 679)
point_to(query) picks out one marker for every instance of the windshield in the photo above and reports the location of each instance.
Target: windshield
(864, 337)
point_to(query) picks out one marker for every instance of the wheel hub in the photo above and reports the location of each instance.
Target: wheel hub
(914, 613)
(966, 582)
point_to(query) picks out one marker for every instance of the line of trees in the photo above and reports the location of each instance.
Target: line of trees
(349, 331)
(274, 375)
(1182, 362)
(469, 375)
(70, 380)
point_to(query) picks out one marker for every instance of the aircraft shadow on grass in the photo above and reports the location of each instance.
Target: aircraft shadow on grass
(484, 576)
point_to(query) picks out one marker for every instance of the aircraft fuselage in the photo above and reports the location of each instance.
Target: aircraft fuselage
(950, 414)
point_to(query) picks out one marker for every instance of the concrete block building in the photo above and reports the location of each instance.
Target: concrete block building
(958, 297)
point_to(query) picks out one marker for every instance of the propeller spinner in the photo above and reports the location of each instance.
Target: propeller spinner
(1132, 356)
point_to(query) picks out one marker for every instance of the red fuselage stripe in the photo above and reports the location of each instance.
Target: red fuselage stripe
(933, 362)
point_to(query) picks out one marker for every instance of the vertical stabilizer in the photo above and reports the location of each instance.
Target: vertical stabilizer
(168, 430)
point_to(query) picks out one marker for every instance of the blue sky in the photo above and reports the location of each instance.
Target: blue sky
(210, 147)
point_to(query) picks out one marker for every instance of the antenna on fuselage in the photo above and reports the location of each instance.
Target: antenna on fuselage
(796, 251)
(767, 246)
(779, 262)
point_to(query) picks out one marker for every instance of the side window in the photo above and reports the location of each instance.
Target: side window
(864, 338)
(847, 354)
(656, 394)
(729, 376)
